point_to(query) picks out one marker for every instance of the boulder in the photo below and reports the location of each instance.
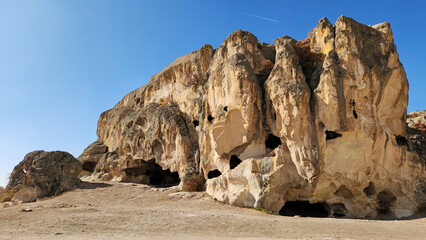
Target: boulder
(42, 174)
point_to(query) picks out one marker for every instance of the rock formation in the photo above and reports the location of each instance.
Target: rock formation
(416, 132)
(313, 127)
(42, 174)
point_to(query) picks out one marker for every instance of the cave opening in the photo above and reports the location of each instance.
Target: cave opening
(369, 190)
(401, 141)
(339, 210)
(163, 178)
(304, 209)
(210, 118)
(272, 142)
(385, 199)
(214, 174)
(355, 114)
(352, 102)
(331, 135)
(153, 174)
(225, 108)
(234, 161)
(89, 166)
(196, 123)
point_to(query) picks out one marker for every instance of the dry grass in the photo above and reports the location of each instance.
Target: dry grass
(193, 183)
(1, 194)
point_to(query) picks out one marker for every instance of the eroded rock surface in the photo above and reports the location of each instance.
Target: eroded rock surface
(313, 127)
(42, 174)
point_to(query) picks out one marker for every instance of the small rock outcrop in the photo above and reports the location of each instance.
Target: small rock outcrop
(313, 127)
(42, 174)
(416, 133)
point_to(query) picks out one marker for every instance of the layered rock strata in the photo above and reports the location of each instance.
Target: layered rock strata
(317, 124)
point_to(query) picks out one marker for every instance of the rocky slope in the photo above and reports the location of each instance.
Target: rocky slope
(313, 127)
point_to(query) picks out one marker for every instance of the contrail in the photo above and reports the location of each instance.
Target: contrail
(260, 17)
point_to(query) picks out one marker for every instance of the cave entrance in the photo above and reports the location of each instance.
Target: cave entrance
(304, 209)
(89, 166)
(401, 141)
(163, 178)
(153, 174)
(272, 142)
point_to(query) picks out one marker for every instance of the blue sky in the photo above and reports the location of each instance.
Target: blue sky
(62, 63)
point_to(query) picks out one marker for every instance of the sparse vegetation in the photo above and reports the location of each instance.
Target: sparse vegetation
(164, 101)
(266, 67)
(3, 197)
(193, 183)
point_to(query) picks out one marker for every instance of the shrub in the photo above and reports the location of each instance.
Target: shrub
(193, 183)
(164, 101)
(266, 67)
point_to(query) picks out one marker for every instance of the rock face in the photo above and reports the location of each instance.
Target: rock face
(416, 132)
(42, 174)
(313, 127)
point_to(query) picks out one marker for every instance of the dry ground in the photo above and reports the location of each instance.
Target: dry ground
(130, 211)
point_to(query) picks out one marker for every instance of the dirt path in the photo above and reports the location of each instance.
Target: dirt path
(130, 211)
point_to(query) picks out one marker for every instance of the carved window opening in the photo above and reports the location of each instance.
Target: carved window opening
(196, 123)
(352, 102)
(234, 161)
(355, 114)
(331, 135)
(214, 174)
(401, 141)
(272, 142)
(210, 118)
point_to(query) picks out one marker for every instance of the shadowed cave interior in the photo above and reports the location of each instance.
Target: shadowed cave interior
(157, 176)
(304, 209)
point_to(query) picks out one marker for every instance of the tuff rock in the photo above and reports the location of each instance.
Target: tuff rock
(313, 127)
(42, 174)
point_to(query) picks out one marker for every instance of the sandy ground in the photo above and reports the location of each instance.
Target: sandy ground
(130, 211)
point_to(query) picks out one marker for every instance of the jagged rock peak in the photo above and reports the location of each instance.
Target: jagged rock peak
(316, 124)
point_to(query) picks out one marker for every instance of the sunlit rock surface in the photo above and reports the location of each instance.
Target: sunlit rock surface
(313, 127)
(42, 174)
